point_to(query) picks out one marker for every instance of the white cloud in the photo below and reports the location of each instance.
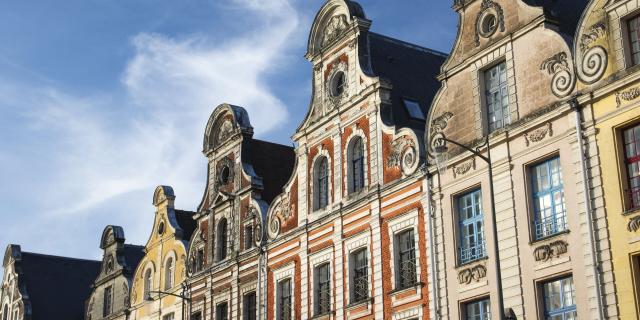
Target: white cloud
(101, 148)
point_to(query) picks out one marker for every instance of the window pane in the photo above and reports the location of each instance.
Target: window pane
(471, 226)
(497, 97)
(478, 310)
(559, 298)
(548, 198)
(633, 39)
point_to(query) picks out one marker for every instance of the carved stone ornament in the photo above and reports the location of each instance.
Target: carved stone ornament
(224, 131)
(562, 80)
(125, 295)
(627, 95)
(340, 69)
(464, 167)
(225, 173)
(280, 215)
(634, 224)
(538, 134)
(594, 59)
(551, 250)
(403, 154)
(334, 28)
(440, 123)
(489, 20)
(475, 273)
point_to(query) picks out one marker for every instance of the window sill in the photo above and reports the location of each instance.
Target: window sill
(325, 315)
(555, 235)
(415, 286)
(630, 212)
(364, 302)
(461, 265)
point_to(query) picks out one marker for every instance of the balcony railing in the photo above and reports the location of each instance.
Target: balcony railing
(360, 288)
(324, 300)
(633, 196)
(549, 226)
(407, 274)
(472, 253)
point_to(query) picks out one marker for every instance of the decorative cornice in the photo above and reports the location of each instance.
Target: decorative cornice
(551, 250)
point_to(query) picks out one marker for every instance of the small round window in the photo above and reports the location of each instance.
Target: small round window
(161, 228)
(488, 24)
(224, 175)
(337, 84)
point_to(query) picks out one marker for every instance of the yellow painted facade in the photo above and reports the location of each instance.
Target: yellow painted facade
(614, 105)
(168, 243)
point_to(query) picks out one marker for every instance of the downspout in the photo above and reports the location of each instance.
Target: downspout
(432, 248)
(587, 200)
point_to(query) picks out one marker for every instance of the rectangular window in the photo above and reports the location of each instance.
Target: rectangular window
(221, 311)
(471, 224)
(414, 110)
(196, 316)
(107, 302)
(559, 299)
(249, 308)
(169, 316)
(248, 237)
(632, 162)
(322, 289)
(406, 258)
(284, 299)
(633, 26)
(478, 310)
(635, 269)
(497, 97)
(359, 276)
(548, 198)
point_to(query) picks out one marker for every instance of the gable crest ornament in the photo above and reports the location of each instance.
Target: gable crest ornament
(334, 29)
(489, 20)
(594, 58)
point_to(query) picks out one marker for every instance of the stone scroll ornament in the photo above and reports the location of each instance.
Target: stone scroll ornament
(475, 273)
(403, 154)
(562, 80)
(549, 251)
(279, 215)
(594, 58)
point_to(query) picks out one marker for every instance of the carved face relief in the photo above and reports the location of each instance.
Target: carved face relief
(335, 27)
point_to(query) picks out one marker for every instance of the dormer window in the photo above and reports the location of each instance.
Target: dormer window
(414, 110)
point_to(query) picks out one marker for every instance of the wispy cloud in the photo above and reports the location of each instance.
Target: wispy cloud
(102, 147)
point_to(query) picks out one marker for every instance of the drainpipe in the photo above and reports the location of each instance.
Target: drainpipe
(587, 200)
(432, 249)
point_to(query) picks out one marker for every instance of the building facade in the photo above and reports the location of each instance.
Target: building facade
(157, 291)
(519, 222)
(347, 237)
(608, 39)
(110, 296)
(226, 261)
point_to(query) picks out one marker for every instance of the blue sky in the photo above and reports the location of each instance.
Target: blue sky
(102, 100)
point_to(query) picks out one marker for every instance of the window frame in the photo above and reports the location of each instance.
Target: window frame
(169, 273)
(321, 189)
(537, 221)
(222, 239)
(485, 309)
(358, 273)
(480, 247)
(322, 289)
(147, 283)
(505, 120)
(356, 184)
(248, 236)
(410, 111)
(284, 298)
(546, 313)
(624, 160)
(107, 301)
(627, 43)
(400, 282)
(248, 306)
(222, 314)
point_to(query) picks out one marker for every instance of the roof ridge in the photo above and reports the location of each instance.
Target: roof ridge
(133, 245)
(59, 257)
(410, 45)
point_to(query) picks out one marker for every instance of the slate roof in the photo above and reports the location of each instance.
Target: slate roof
(412, 71)
(57, 286)
(567, 12)
(272, 162)
(132, 256)
(186, 222)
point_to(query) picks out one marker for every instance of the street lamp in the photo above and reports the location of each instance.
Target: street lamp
(182, 296)
(440, 151)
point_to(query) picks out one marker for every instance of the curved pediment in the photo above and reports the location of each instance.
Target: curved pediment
(225, 122)
(111, 235)
(13, 252)
(332, 21)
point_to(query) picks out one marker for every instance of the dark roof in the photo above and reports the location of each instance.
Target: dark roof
(272, 162)
(132, 256)
(412, 71)
(186, 222)
(57, 286)
(567, 12)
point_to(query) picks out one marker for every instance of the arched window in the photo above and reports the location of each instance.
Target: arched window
(321, 183)
(147, 284)
(168, 274)
(5, 312)
(222, 239)
(356, 165)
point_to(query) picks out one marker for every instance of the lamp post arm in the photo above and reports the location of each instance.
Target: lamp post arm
(172, 294)
(475, 152)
